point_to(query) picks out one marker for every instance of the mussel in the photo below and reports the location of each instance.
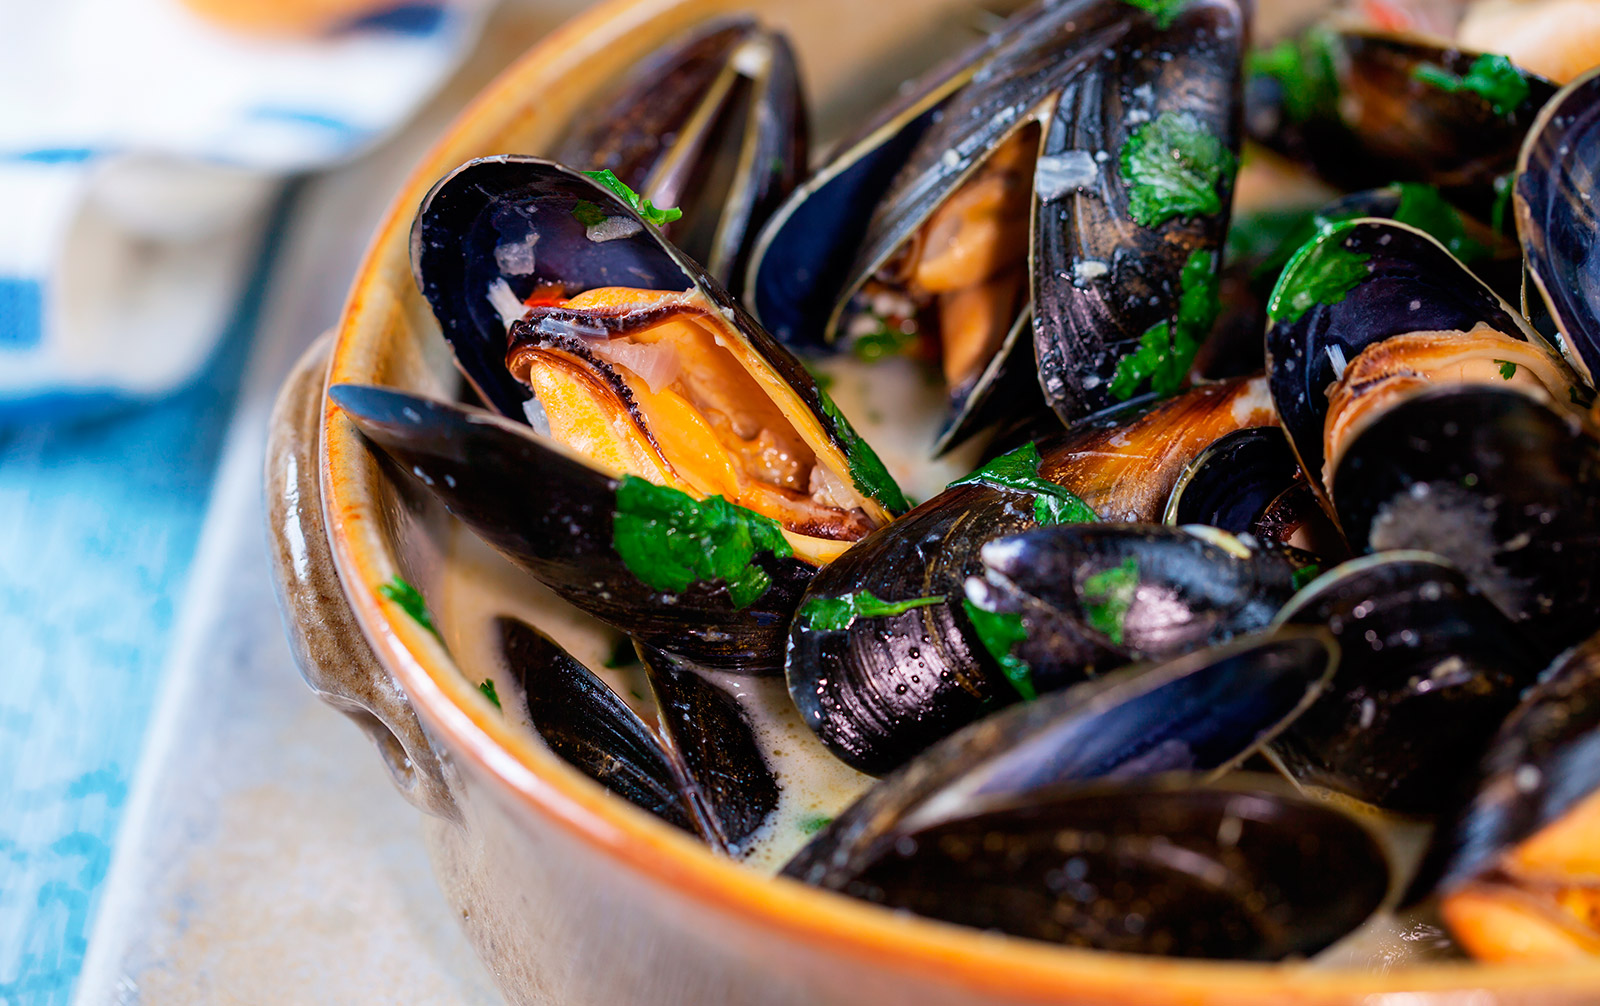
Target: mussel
(1008, 198)
(713, 124)
(676, 472)
(1061, 819)
(1516, 868)
(878, 689)
(708, 778)
(1428, 670)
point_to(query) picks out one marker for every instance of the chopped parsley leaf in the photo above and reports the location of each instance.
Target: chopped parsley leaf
(1305, 71)
(1424, 208)
(1322, 272)
(1492, 78)
(1172, 166)
(867, 470)
(1107, 597)
(999, 633)
(487, 688)
(815, 823)
(883, 341)
(1304, 575)
(669, 541)
(1167, 348)
(832, 613)
(647, 209)
(1164, 11)
(1508, 370)
(410, 601)
(588, 213)
(1018, 471)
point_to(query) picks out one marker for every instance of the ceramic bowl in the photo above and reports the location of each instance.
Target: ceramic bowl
(572, 896)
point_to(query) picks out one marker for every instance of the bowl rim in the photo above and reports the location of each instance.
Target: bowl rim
(534, 781)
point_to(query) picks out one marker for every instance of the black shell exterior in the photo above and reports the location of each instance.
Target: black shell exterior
(1234, 481)
(552, 514)
(1503, 486)
(1428, 670)
(1556, 217)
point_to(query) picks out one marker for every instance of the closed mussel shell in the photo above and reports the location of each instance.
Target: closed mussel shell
(1233, 482)
(1429, 669)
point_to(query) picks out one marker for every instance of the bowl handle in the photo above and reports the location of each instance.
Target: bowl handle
(327, 642)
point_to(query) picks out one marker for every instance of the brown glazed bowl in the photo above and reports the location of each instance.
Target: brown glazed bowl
(570, 895)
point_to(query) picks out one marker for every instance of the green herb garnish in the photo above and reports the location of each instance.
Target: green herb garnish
(1322, 272)
(1306, 73)
(410, 601)
(588, 213)
(1304, 575)
(1167, 348)
(1492, 78)
(668, 540)
(487, 688)
(648, 210)
(1424, 208)
(832, 613)
(1018, 471)
(1504, 187)
(999, 633)
(1173, 166)
(1508, 370)
(883, 341)
(867, 470)
(1164, 11)
(1107, 597)
(815, 823)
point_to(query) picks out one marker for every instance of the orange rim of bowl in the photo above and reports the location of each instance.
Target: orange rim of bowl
(535, 781)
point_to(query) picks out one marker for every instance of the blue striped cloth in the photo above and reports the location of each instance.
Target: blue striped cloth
(140, 150)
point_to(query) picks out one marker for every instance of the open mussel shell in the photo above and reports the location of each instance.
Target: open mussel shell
(1241, 869)
(1503, 486)
(1527, 837)
(1110, 247)
(588, 726)
(1355, 285)
(882, 688)
(499, 230)
(714, 124)
(1128, 591)
(1556, 217)
(1428, 670)
(1366, 108)
(553, 514)
(1234, 481)
(1202, 712)
(704, 773)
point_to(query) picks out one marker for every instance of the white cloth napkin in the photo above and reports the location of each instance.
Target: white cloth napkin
(140, 149)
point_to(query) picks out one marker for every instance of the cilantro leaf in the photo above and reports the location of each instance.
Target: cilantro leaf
(1492, 78)
(1322, 272)
(669, 541)
(867, 470)
(487, 688)
(410, 601)
(999, 634)
(1172, 166)
(1018, 471)
(1167, 349)
(841, 612)
(1107, 597)
(648, 210)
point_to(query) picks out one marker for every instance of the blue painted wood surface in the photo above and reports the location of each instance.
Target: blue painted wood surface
(98, 526)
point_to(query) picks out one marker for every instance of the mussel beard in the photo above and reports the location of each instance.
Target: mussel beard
(641, 382)
(962, 277)
(1388, 371)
